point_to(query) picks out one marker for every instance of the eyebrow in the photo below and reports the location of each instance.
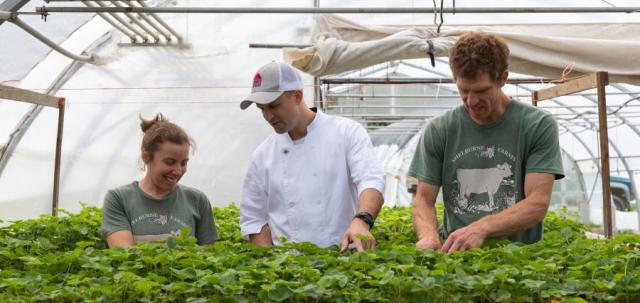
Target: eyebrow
(479, 89)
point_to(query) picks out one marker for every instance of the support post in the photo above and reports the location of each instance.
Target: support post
(598, 80)
(602, 79)
(56, 172)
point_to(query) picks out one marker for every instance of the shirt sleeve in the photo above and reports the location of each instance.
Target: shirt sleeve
(114, 217)
(206, 230)
(426, 164)
(544, 155)
(364, 168)
(253, 202)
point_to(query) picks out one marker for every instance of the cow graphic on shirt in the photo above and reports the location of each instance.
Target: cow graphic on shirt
(481, 180)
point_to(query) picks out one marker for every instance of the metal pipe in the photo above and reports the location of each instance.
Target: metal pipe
(56, 171)
(595, 113)
(317, 87)
(47, 1)
(598, 158)
(383, 96)
(391, 106)
(317, 94)
(380, 96)
(386, 116)
(421, 121)
(166, 34)
(161, 22)
(268, 45)
(113, 23)
(142, 36)
(136, 21)
(11, 6)
(339, 10)
(15, 20)
(419, 81)
(594, 106)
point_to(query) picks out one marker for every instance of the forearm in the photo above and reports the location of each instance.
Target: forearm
(370, 201)
(359, 233)
(516, 218)
(263, 238)
(423, 211)
(425, 220)
(122, 238)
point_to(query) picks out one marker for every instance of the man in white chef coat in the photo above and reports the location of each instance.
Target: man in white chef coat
(316, 179)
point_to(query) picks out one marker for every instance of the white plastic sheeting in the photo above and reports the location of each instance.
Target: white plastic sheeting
(199, 88)
(395, 152)
(541, 50)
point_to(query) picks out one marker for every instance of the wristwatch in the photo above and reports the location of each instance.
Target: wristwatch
(366, 217)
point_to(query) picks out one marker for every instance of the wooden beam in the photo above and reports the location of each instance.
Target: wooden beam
(597, 80)
(570, 87)
(602, 78)
(23, 95)
(56, 171)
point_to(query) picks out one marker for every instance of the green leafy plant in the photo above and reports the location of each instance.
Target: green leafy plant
(64, 259)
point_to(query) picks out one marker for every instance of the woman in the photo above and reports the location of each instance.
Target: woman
(158, 207)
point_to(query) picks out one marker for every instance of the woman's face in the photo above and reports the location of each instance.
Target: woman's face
(167, 165)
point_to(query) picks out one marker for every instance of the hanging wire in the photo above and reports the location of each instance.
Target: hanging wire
(563, 77)
(435, 13)
(441, 15)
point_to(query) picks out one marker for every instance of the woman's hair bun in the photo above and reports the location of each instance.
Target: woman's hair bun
(147, 124)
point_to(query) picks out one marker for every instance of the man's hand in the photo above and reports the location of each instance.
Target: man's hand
(429, 243)
(359, 234)
(465, 238)
(263, 238)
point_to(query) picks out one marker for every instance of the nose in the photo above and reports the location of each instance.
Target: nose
(472, 99)
(267, 114)
(179, 169)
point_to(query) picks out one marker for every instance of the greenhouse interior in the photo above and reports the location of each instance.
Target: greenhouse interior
(77, 76)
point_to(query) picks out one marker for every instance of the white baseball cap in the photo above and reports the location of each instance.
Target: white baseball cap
(271, 81)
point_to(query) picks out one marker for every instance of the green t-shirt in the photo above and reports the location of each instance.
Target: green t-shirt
(481, 168)
(149, 219)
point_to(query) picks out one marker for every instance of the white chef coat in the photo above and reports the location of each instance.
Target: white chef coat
(309, 191)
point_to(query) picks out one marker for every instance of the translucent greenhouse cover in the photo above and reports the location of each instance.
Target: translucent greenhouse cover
(199, 87)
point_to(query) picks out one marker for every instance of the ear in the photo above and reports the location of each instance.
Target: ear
(504, 77)
(299, 96)
(146, 157)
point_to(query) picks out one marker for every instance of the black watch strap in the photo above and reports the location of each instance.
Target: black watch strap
(366, 217)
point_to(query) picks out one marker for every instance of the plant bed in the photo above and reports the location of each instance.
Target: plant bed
(64, 259)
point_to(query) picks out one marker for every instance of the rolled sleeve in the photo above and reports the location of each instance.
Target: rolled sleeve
(253, 203)
(365, 169)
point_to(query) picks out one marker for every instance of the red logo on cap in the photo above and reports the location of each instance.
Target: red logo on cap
(257, 80)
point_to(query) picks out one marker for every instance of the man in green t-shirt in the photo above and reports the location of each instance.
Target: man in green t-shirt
(495, 158)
